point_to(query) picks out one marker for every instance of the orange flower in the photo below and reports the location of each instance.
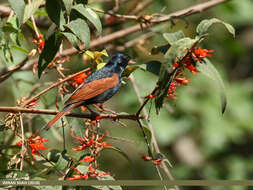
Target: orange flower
(150, 96)
(157, 161)
(35, 143)
(183, 80)
(146, 158)
(202, 53)
(79, 79)
(88, 159)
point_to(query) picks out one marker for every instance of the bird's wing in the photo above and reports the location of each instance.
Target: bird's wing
(93, 89)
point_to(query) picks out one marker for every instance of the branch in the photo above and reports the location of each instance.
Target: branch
(54, 85)
(5, 74)
(77, 115)
(127, 31)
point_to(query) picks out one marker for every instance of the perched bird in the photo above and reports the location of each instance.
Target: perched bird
(99, 87)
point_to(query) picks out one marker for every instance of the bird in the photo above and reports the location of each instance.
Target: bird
(99, 87)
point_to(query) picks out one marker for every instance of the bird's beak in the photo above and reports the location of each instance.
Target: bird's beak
(130, 62)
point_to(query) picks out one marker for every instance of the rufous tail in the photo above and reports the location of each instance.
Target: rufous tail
(62, 113)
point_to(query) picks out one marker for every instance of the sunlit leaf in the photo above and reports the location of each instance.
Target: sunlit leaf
(68, 5)
(101, 65)
(179, 48)
(19, 9)
(204, 25)
(90, 15)
(173, 37)
(72, 39)
(210, 71)
(80, 28)
(31, 8)
(119, 151)
(25, 51)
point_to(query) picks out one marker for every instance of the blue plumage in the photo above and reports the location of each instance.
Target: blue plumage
(99, 87)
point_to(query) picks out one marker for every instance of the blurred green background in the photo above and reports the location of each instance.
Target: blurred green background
(191, 131)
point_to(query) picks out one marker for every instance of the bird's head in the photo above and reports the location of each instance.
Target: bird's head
(119, 61)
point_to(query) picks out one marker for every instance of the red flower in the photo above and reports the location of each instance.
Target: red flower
(172, 89)
(150, 96)
(105, 144)
(76, 177)
(79, 79)
(101, 174)
(157, 161)
(79, 148)
(88, 159)
(183, 80)
(146, 158)
(110, 19)
(35, 143)
(202, 53)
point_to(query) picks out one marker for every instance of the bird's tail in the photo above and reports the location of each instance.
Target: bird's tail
(62, 113)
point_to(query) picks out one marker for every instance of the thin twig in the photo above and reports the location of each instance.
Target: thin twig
(132, 29)
(34, 24)
(54, 112)
(23, 148)
(154, 141)
(54, 85)
(6, 74)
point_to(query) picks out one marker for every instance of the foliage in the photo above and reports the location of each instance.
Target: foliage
(172, 74)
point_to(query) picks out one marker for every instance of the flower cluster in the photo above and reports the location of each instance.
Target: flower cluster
(91, 173)
(94, 143)
(154, 161)
(187, 62)
(79, 79)
(36, 143)
(40, 42)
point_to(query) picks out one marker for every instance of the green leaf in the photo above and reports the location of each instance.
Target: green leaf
(2, 127)
(90, 15)
(84, 2)
(55, 12)
(52, 28)
(211, 72)
(80, 28)
(31, 8)
(51, 47)
(163, 49)
(60, 158)
(1, 30)
(204, 25)
(148, 134)
(163, 83)
(68, 5)
(25, 51)
(173, 37)
(72, 39)
(53, 155)
(62, 162)
(119, 151)
(30, 24)
(153, 67)
(19, 8)
(127, 72)
(179, 49)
